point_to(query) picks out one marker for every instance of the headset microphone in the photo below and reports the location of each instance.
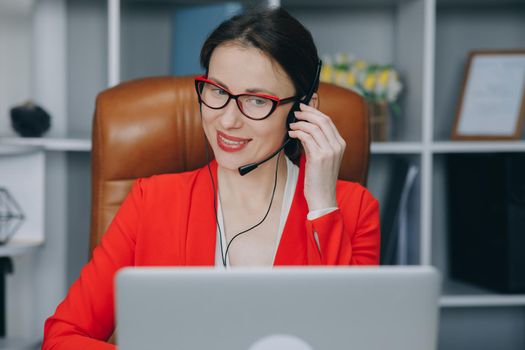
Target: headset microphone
(245, 169)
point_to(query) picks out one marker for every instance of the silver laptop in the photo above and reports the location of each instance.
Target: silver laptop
(394, 308)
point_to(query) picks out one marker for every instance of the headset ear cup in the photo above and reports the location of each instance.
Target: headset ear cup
(292, 149)
(291, 115)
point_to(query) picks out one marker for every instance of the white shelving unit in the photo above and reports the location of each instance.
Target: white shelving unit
(497, 300)
(19, 247)
(50, 144)
(22, 174)
(437, 35)
(32, 66)
(396, 148)
(107, 41)
(19, 344)
(477, 147)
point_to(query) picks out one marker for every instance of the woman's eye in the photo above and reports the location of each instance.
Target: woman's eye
(257, 101)
(218, 91)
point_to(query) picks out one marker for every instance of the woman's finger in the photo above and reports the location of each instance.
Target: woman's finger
(315, 131)
(307, 141)
(330, 141)
(315, 116)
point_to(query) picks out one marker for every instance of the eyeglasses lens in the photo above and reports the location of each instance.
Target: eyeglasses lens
(253, 106)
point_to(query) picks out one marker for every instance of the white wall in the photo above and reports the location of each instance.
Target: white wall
(15, 58)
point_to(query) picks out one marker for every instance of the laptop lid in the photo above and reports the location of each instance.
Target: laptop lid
(278, 309)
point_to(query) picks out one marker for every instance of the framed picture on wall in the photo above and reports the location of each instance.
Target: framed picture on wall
(492, 102)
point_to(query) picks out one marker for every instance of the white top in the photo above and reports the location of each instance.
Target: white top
(292, 174)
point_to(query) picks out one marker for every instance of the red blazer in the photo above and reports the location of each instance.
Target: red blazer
(169, 220)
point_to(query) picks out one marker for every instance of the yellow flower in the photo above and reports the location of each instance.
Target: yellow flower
(350, 79)
(383, 77)
(370, 81)
(326, 73)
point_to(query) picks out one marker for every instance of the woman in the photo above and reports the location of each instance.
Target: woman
(291, 210)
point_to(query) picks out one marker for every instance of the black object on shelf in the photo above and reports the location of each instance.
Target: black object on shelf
(30, 120)
(6, 266)
(486, 204)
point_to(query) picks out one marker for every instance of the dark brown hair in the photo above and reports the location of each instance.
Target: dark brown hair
(279, 35)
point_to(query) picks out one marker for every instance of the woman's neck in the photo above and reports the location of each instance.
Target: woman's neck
(255, 187)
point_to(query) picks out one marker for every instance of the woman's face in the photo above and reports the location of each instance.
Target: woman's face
(235, 139)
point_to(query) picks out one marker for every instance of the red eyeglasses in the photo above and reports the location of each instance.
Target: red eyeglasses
(253, 106)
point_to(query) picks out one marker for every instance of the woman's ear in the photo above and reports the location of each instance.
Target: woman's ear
(314, 102)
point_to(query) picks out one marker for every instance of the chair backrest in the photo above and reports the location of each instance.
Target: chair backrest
(152, 126)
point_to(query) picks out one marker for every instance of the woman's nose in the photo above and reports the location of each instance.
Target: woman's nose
(231, 116)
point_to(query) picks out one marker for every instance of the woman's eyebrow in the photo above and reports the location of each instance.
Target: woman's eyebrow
(252, 90)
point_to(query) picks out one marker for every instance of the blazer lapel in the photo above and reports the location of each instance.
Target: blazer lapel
(292, 247)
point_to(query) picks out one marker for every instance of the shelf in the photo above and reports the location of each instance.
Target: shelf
(84, 145)
(478, 146)
(396, 147)
(284, 3)
(478, 3)
(186, 2)
(19, 344)
(340, 3)
(19, 247)
(50, 144)
(16, 150)
(482, 301)
(457, 294)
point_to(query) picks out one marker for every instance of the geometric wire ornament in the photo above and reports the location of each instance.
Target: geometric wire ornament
(11, 216)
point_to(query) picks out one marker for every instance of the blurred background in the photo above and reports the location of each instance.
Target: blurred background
(408, 58)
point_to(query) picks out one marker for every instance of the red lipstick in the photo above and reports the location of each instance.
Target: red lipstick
(230, 143)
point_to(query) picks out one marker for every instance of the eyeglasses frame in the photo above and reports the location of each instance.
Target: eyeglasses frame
(276, 101)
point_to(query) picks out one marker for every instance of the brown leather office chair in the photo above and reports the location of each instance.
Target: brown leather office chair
(152, 126)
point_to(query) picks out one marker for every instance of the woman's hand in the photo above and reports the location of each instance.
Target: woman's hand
(324, 148)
